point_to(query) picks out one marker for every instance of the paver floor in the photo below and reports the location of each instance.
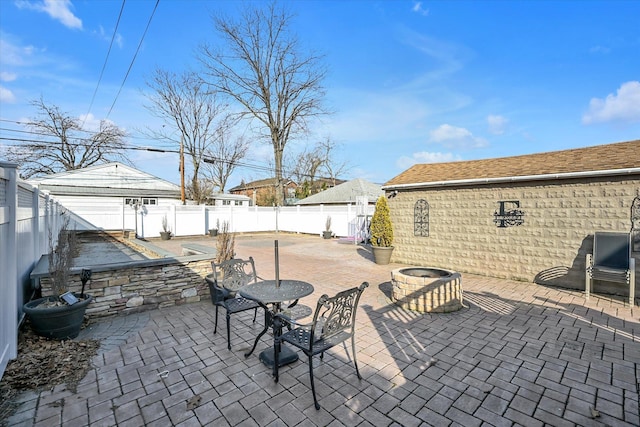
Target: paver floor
(518, 354)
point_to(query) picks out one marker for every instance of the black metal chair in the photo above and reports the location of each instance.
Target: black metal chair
(227, 278)
(334, 322)
(611, 261)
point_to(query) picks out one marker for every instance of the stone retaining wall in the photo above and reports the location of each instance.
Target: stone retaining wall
(143, 285)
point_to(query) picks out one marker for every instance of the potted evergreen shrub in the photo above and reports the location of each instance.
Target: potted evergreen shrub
(381, 232)
(60, 315)
(165, 234)
(326, 234)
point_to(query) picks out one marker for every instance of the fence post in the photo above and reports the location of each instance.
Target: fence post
(8, 266)
(35, 214)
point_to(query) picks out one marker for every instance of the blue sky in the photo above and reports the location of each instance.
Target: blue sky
(409, 82)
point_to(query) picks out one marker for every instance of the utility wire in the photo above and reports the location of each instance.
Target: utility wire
(206, 159)
(113, 37)
(134, 58)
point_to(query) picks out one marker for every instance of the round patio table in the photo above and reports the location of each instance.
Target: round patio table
(267, 293)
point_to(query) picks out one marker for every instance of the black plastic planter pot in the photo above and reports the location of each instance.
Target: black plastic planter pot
(62, 322)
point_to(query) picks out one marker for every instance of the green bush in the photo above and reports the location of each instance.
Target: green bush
(381, 227)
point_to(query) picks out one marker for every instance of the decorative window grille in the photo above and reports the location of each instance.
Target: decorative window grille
(421, 218)
(635, 224)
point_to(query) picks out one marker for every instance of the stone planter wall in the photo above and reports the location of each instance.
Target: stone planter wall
(143, 285)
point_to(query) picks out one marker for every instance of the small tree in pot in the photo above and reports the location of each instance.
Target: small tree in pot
(381, 232)
(60, 315)
(327, 228)
(165, 234)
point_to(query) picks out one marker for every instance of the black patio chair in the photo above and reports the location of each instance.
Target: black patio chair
(334, 322)
(227, 278)
(611, 261)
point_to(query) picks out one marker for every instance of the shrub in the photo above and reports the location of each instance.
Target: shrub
(381, 227)
(225, 247)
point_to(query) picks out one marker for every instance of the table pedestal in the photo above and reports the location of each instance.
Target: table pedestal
(285, 357)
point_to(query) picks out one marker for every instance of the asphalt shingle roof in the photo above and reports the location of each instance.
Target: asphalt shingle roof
(345, 193)
(622, 155)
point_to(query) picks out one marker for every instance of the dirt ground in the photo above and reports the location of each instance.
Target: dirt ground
(43, 364)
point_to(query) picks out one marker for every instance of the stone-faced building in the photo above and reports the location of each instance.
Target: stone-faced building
(528, 218)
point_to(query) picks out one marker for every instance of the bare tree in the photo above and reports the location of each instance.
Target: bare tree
(304, 171)
(259, 64)
(60, 144)
(331, 167)
(188, 107)
(315, 161)
(223, 158)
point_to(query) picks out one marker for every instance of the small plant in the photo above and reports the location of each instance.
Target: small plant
(381, 227)
(225, 247)
(61, 258)
(327, 224)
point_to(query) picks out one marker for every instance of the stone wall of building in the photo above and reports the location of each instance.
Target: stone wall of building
(143, 285)
(550, 246)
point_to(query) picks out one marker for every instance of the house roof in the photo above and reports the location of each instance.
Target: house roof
(267, 182)
(345, 193)
(109, 179)
(609, 159)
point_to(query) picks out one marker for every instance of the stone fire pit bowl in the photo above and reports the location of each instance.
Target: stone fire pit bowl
(427, 289)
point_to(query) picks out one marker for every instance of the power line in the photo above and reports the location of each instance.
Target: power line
(206, 159)
(113, 37)
(134, 57)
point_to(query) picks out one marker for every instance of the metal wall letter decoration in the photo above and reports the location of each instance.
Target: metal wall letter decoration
(421, 218)
(508, 214)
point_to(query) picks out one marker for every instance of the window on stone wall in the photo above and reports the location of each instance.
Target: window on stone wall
(421, 218)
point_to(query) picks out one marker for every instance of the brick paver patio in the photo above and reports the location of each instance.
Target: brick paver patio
(519, 354)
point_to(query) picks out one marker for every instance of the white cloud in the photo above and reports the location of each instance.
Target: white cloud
(56, 9)
(451, 136)
(417, 7)
(107, 37)
(91, 122)
(405, 162)
(497, 124)
(6, 95)
(7, 77)
(624, 106)
(13, 54)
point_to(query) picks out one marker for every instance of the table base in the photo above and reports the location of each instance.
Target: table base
(286, 356)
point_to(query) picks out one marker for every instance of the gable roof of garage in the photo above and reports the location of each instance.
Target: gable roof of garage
(609, 159)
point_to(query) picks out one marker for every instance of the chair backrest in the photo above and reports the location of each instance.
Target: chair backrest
(337, 314)
(611, 250)
(233, 274)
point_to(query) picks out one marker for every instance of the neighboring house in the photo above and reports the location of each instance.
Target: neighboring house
(345, 193)
(110, 194)
(108, 184)
(262, 192)
(306, 188)
(221, 199)
(529, 218)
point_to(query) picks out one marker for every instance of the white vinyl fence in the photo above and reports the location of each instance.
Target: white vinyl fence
(26, 217)
(193, 220)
